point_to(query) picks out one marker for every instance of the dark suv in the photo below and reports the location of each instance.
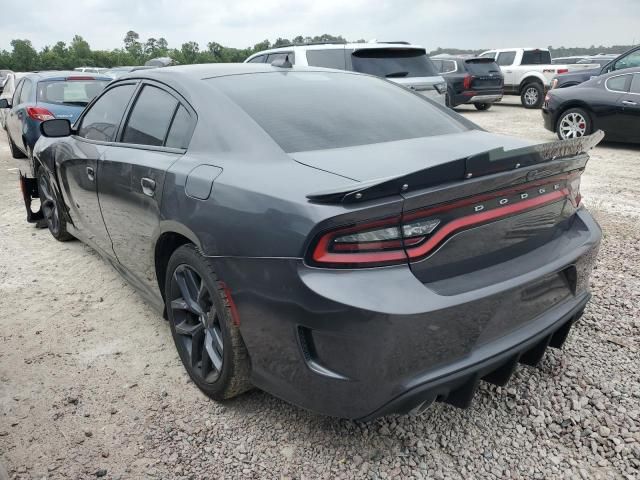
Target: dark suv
(476, 81)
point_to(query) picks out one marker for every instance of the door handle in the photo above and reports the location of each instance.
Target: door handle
(91, 173)
(148, 186)
(629, 102)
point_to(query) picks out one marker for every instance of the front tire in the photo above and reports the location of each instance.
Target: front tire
(207, 339)
(482, 106)
(574, 123)
(51, 208)
(532, 95)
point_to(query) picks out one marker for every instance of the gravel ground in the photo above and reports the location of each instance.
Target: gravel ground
(91, 385)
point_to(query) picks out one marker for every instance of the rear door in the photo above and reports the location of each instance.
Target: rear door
(18, 114)
(630, 111)
(78, 166)
(154, 135)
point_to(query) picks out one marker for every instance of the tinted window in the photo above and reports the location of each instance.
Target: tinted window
(258, 59)
(481, 66)
(536, 57)
(102, 120)
(73, 92)
(25, 93)
(180, 131)
(281, 56)
(393, 62)
(149, 121)
(330, 109)
(635, 84)
(630, 61)
(506, 58)
(619, 83)
(331, 58)
(16, 94)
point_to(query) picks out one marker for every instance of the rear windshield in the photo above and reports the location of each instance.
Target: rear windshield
(482, 66)
(393, 62)
(69, 92)
(305, 111)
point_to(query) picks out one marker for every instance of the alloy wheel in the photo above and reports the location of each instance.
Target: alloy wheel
(531, 96)
(573, 125)
(49, 205)
(196, 324)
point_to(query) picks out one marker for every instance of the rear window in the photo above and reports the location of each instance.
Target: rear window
(536, 57)
(393, 62)
(69, 92)
(305, 111)
(482, 66)
(329, 58)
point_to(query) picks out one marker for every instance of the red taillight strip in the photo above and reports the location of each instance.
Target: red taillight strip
(483, 217)
(321, 254)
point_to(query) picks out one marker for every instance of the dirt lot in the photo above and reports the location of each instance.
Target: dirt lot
(91, 385)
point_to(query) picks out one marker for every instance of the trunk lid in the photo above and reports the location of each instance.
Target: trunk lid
(485, 73)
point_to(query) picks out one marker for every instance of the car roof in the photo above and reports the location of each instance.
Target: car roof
(328, 46)
(212, 70)
(63, 75)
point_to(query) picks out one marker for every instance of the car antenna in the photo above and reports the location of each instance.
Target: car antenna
(282, 62)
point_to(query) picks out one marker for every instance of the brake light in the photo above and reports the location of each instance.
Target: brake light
(414, 235)
(466, 82)
(40, 114)
(563, 70)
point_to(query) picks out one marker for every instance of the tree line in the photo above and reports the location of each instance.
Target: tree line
(23, 57)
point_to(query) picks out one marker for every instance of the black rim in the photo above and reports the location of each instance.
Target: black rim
(49, 205)
(196, 323)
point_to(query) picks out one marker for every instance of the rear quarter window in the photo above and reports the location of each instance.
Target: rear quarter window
(329, 58)
(305, 111)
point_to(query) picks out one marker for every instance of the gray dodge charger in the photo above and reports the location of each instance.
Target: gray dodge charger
(329, 237)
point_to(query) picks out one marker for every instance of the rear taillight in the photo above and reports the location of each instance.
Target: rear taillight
(554, 83)
(414, 235)
(40, 114)
(467, 81)
(563, 70)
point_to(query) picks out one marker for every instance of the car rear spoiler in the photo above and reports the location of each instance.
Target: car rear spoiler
(478, 165)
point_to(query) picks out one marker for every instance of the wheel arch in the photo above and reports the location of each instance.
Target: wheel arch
(573, 104)
(529, 79)
(172, 237)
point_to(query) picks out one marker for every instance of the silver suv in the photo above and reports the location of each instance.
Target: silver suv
(399, 62)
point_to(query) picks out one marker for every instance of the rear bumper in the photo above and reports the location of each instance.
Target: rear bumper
(549, 119)
(471, 97)
(364, 343)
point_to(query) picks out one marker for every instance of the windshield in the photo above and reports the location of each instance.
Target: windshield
(69, 92)
(393, 62)
(304, 111)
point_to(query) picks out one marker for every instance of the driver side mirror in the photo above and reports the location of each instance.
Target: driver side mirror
(58, 127)
(4, 103)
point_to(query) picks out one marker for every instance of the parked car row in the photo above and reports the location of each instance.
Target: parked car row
(392, 224)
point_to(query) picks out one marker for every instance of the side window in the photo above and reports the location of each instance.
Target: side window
(150, 118)
(102, 120)
(506, 59)
(489, 55)
(437, 64)
(328, 58)
(536, 57)
(16, 94)
(180, 131)
(630, 61)
(281, 56)
(448, 66)
(635, 84)
(618, 83)
(258, 59)
(25, 93)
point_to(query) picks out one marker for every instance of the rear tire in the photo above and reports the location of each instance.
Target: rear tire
(573, 123)
(532, 95)
(482, 106)
(51, 208)
(207, 339)
(15, 151)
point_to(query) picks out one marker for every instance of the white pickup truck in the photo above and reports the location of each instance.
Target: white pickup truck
(528, 72)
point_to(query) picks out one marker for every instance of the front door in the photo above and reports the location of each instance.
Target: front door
(630, 108)
(132, 174)
(78, 166)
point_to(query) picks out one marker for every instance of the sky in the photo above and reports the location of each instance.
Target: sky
(243, 23)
